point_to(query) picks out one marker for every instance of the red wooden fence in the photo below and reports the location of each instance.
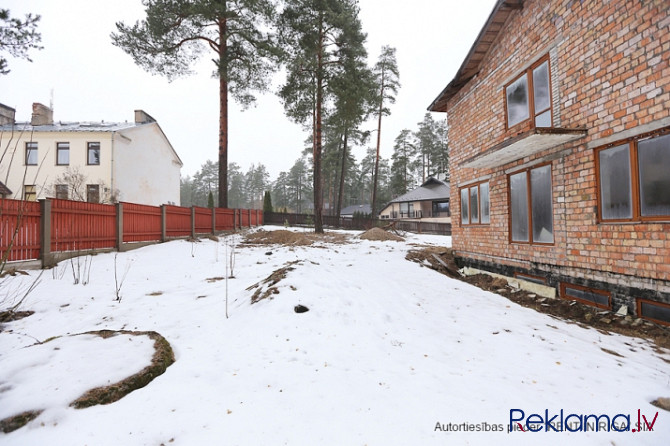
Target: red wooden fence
(225, 219)
(141, 223)
(26, 244)
(78, 226)
(203, 220)
(178, 221)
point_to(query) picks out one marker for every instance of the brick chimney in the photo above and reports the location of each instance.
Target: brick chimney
(7, 115)
(42, 115)
(142, 117)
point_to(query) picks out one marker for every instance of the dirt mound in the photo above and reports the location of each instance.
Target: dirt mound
(281, 237)
(378, 234)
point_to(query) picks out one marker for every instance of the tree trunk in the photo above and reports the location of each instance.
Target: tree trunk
(223, 119)
(342, 172)
(318, 195)
(373, 205)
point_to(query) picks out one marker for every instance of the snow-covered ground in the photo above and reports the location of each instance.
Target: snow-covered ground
(389, 353)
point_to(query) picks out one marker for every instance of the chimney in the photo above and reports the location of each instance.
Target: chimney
(7, 115)
(42, 115)
(142, 117)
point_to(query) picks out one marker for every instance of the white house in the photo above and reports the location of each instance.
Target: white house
(91, 161)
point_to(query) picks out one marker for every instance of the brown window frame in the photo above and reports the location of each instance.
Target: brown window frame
(608, 294)
(532, 113)
(639, 302)
(27, 195)
(29, 149)
(529, 193)
(59, 147)
(479, 202)
(632, 142)
(88, 153)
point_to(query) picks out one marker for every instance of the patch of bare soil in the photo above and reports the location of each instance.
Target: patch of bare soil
(442, 260)
(380, 235)
(18, 421)
(9, 316)
(290, 238)
(162, 359)
(266, 287)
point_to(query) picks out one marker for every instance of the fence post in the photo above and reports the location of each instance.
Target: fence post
(119, 226)
(45, 233)
(192, 221)
(213, 220)
(257, 217)
(163, 223)
(234, 220)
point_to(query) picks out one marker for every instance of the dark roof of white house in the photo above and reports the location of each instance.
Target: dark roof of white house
(26, 127)
(432, 189)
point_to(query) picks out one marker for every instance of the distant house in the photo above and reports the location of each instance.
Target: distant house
(559, 137)
(4, 191)
(132, 162)
(349, 211)
(429, 202)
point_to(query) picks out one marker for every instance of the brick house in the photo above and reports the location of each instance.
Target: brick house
(559, 139)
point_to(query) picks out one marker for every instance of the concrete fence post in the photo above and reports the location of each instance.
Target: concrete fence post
(163, 223)
(45, 233)
(119, 226)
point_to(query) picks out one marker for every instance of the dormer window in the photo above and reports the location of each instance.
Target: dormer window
(529, 96)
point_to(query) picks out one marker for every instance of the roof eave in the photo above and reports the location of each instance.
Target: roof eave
(471, 65)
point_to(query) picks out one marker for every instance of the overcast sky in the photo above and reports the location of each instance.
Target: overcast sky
(89, 79)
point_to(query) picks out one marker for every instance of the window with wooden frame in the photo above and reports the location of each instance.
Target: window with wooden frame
(531, 210)
(528, 97)
(475, 204)
(31, 153)
(93, 154)
(589, 296)
(654, 311)
(62, 191)
(93, 193)
(633, 178)
(62, 153)
(30, 192)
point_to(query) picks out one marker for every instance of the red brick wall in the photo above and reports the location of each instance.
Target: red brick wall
(610, 75)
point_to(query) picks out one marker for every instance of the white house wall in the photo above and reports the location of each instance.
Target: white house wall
(15, 174)
(146, 168)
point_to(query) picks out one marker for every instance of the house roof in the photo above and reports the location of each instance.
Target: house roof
(26, 127)
(349, 210)
(432, 189)
(472, 63)
(4, 190)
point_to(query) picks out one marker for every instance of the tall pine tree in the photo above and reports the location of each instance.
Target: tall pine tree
(319, 36)
(176, 32)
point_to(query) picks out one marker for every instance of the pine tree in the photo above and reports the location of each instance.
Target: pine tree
(174, 33)
(17, 37)
(319, 35)
(388, 84)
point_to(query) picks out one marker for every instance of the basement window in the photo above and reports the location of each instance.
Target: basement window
(589, 296)
(654, 311)
(530, 278)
